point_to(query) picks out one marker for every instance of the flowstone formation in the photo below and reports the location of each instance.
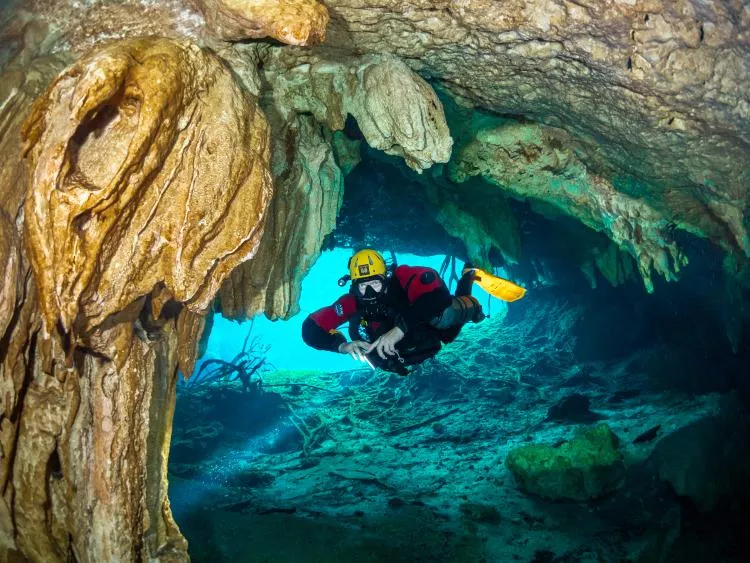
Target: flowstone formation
(309, 189)
(124, 256)
(168, 116)
(113, 261)
(652, 90)
(294, 22)
(309, 99)
(395, 109)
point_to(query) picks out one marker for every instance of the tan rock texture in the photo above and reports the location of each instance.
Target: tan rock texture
(10, 263)
(295, 22)
(397, 111)
(112, 263)
(631, 116)
(653, 89)
(76, 27)
(309, 98)
(309, 193)
(169, 117)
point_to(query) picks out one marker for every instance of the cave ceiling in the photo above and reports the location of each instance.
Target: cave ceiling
(631, 117)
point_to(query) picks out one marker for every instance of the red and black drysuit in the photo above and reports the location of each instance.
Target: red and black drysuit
(415, 296)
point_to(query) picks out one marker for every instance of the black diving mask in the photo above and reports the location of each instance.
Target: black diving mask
(365, 292)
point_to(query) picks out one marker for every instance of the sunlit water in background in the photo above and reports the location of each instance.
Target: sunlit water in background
(319, 288)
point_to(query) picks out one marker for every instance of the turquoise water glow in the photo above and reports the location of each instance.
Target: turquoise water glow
(319, 288)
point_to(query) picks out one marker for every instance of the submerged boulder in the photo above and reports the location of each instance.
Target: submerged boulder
(708, 460)
(573, 408)
(587, 467)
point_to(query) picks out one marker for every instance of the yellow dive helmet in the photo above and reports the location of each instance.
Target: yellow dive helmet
(366, 263)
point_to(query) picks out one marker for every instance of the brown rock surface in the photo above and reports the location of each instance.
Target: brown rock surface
(10, 263)
(296, 22)
(127, 251)
(656, 90)
(652, 89)
(397, 111)
(309, 179)
(169, 117)
(309, 192)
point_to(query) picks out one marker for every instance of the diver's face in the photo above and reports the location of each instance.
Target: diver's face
(376, 286)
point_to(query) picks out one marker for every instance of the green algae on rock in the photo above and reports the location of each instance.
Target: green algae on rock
(585, 468)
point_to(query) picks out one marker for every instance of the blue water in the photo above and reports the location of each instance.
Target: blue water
(319, 288)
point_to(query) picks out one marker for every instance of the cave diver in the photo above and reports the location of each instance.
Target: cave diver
(399, 315)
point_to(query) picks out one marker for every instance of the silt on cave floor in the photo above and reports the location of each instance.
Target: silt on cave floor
(622, 450)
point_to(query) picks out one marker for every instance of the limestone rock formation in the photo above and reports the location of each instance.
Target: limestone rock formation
(539, 163)
(652, 89)
(630, 116)
(308, 196)
(615, 266)
(126, 254)
(295, 22)
(481, 220)
(10, 263)
(309, 179)
(169, 117)
(657, 106)
(348, 152)
(396, 110)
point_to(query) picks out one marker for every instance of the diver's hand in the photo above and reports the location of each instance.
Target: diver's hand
(355, 348)
(386, 344)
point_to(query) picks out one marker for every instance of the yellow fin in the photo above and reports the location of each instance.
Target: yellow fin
(498, 287)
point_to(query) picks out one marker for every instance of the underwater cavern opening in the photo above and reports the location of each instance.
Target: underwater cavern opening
(172, 169)
(321, 458)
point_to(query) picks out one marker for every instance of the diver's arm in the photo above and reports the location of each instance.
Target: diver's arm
(315, 337)
(428, 296)
(319, 329)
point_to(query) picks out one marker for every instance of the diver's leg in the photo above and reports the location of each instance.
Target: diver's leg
(467, 280)
(462, 310)
(464, 307)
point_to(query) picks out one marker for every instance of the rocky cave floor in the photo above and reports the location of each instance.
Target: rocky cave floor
(368, 466)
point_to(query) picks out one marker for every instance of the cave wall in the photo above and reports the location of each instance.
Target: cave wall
(652, 90)
(113, 262)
